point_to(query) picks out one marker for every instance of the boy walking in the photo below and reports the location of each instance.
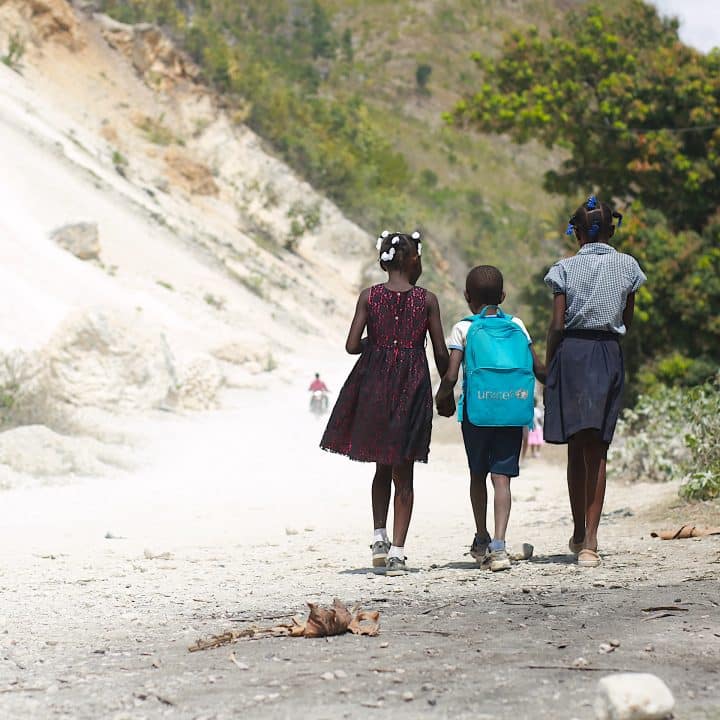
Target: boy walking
(499, 365)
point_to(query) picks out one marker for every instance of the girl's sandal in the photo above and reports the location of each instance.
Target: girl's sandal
(575, 548)
(588, 558)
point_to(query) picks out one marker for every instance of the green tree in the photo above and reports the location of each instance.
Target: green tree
(422, 77)
(637, 111)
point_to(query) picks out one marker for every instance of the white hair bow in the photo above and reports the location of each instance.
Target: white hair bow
(388, 255)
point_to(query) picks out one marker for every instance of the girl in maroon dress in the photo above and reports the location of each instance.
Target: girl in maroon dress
(384, 411)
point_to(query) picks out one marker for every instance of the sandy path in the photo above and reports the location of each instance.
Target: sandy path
(256, 520)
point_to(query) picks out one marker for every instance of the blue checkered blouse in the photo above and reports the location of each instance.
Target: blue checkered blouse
(596, 283)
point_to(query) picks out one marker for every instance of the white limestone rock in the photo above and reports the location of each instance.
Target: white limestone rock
(81, 239)
(633, 696)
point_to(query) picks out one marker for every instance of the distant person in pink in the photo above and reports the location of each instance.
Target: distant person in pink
(317, 385)
(535, 436)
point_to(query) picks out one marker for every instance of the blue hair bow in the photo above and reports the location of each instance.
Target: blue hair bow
(592, 203)
(594, 229)
(570, 229)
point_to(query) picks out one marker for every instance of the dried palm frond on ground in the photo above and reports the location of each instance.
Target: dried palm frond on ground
(686, 531)
(321, 622)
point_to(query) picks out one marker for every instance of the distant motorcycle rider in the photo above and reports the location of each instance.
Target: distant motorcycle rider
(318, 386)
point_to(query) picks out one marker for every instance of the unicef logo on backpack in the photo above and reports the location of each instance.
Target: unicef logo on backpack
(498, 383)
(511, 395)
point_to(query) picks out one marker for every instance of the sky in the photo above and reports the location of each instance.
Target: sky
(700, 20)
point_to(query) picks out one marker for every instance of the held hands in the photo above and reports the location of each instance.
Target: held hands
(445, 405)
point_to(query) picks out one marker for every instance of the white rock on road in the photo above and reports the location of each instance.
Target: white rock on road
(633, 696)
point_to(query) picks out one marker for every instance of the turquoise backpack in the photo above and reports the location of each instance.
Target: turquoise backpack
(498, 380)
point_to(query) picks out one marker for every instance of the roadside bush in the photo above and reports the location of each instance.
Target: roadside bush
(16, 49)
(650, 443)
(672, 434)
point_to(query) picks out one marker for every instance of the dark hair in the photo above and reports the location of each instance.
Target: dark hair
(317, 375)
(594, 219)
(402, 247)
(484, 285)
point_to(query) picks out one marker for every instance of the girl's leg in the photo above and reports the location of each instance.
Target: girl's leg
(595, 469)
(404, 498)
(576, 480)
(381, 495)
(478, 500)
(502, 504)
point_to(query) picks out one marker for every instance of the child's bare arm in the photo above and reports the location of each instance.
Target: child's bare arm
(445, 399)
(629, 311)
(357, 326)
(539, 369)
(437, 337)
(557, 325)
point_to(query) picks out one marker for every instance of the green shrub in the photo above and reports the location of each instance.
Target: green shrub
(672, 434)
(422, 77)
(155, 132)
(649, 444)
(118, 159)
(15, 52)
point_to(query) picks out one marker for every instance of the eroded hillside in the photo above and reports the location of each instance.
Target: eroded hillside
(193, 259)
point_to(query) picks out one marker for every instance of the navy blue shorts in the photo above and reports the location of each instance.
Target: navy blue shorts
(493, 449)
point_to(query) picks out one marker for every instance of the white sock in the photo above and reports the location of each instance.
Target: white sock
(398, 552)
(380, 535)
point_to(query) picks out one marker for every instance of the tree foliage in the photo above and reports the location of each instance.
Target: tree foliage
(637, 111)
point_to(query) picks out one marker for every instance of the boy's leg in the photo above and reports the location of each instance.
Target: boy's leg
(381, 486)
(576, 481)
(505, 451)
(502, 504)
(595, 471)
(404, 498)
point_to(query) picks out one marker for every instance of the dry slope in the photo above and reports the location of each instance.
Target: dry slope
(192, 258)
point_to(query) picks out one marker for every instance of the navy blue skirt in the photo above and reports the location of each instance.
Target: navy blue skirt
(584, 386)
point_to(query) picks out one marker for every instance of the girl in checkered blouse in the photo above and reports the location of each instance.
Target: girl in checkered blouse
(593, 305)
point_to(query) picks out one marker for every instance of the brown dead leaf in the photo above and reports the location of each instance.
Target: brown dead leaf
(365, 622)
(323, 623)
(686, 531)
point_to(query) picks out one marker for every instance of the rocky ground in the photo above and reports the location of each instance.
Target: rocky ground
(239, 519)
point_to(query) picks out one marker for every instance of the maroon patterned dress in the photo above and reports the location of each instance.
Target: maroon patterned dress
(384, 411)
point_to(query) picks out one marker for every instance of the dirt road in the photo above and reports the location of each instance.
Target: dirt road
(239, 518)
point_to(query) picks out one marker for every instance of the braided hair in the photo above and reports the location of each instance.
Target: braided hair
(594, 220)
(395, 248)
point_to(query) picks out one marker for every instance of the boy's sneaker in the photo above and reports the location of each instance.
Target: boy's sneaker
(380, 550)
(395, 566)
(479, 547)
(497, 560)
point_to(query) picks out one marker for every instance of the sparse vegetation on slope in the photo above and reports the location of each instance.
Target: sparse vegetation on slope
(351, 95)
